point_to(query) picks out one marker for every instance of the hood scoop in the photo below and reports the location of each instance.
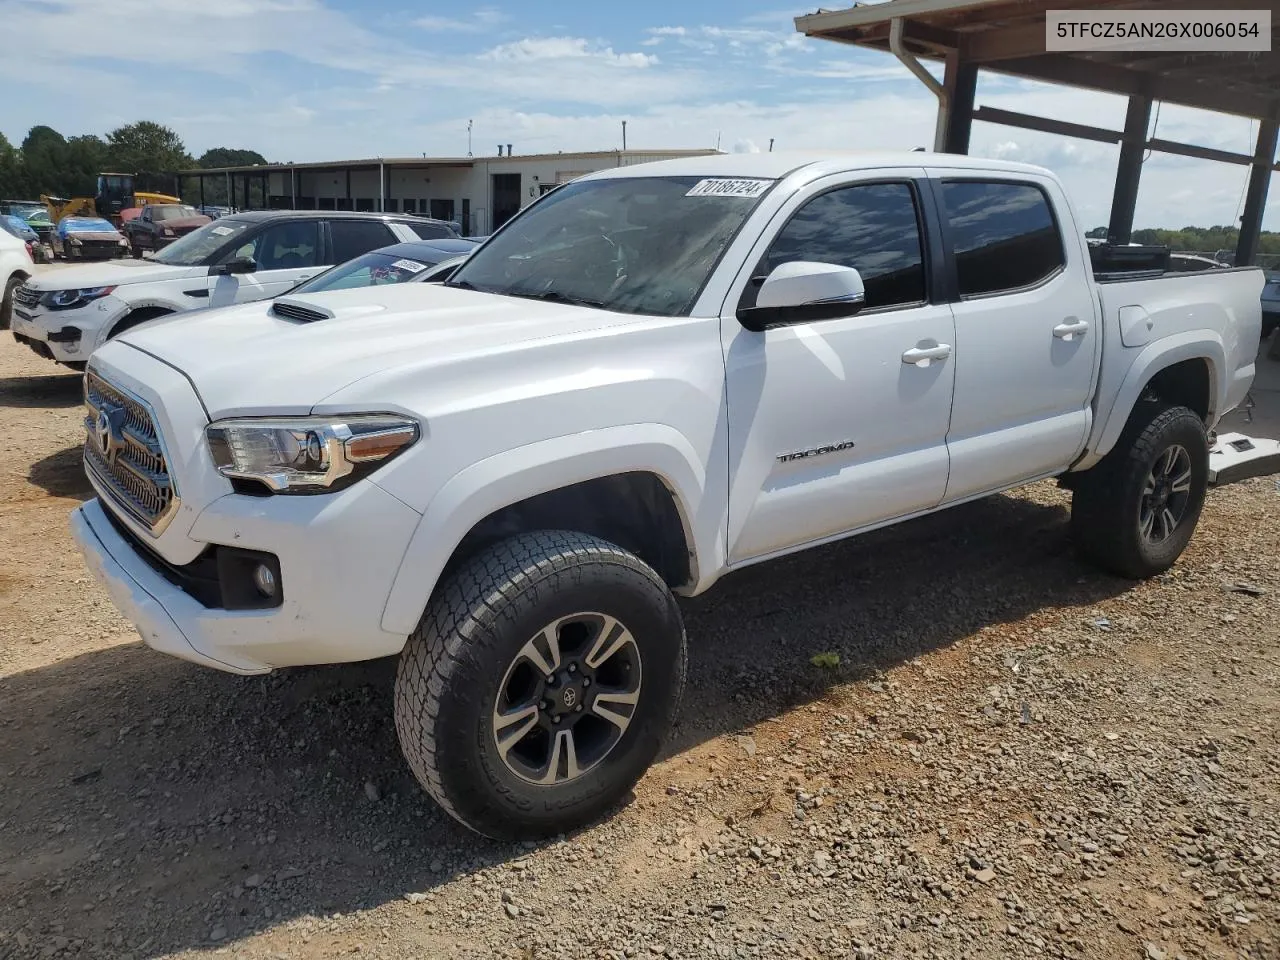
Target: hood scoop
(308, 311)
(299, 310)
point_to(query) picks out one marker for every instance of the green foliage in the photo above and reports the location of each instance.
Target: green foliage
(47, 162)
(149, 151)
(1199, 239)
(228, 157)
(828, 660)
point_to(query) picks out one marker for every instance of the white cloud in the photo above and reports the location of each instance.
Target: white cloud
(481, 20)
(353, 84)
(559, 48)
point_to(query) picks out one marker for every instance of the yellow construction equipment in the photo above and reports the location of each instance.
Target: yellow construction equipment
(115, 193)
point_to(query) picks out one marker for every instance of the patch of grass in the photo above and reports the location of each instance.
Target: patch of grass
(827, 660)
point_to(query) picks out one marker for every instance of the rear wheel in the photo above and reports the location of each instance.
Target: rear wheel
(540, 683)
(1134, 513)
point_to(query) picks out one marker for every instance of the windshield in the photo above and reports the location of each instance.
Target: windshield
(30, 210)
(371, 270)
(171, 211)
(632, 244)
(196, 247)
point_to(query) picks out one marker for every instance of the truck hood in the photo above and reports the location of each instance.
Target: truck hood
(247, 359)
(111, 273)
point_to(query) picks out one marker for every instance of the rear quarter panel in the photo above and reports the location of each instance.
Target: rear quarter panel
(1154, 323)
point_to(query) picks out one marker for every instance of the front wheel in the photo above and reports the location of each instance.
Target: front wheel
(6, 301)
(1134, 513)
(540, 683)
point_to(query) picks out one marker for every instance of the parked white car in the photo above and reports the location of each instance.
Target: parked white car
(653, 376)
(16, 266)
(65, 315)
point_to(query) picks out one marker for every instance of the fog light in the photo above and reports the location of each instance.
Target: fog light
(264, 580)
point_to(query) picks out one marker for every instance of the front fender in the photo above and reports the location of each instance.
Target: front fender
(1165, 352)
(144, 303)
(515, 475)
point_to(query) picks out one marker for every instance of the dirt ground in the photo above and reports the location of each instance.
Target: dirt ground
(1015, 756)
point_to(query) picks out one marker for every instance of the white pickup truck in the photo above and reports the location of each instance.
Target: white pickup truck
(654, 375)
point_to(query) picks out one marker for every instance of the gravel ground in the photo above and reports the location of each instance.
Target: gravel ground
(1014, 756)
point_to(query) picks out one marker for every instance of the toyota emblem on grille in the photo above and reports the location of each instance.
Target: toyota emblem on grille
(108, 431)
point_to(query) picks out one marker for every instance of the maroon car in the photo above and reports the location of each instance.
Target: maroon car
(159, 224)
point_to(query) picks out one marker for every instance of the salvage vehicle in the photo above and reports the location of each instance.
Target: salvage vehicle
(88, 238)
(64, 316)
(650, 377)
(399, 263)
(15, 266)
(37, 218)
(159, 224)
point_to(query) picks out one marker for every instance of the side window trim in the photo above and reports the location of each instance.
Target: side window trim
(940, 181)
(923, 228)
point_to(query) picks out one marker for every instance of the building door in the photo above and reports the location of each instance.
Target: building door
(442, 209)
(506, 198)
(466, 218)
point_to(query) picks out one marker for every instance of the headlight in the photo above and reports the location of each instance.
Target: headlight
(66, 299)
(308, 454)
(168, 231)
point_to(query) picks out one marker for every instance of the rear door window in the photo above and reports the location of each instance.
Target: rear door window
(353, 238)
(1004, 236)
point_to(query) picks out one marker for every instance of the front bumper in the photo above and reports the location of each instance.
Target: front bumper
(338, 556)
(65, 344)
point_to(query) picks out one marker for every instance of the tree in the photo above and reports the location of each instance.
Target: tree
(13, 180)
(148, 150)
(215, 188)
(229, 157)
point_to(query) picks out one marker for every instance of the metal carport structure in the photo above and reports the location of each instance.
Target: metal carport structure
(1008, 37)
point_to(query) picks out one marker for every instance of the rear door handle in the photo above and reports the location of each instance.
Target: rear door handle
(923, 356)
(1069, 328)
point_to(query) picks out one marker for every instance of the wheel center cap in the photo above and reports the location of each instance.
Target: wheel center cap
(569, 698)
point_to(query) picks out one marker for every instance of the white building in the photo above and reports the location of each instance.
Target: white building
(481, 193)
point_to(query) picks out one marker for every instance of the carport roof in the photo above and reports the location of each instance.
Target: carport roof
(1008, 36)
(418, 162)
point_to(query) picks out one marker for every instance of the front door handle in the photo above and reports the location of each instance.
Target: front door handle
(1070, 327)
(923, 356)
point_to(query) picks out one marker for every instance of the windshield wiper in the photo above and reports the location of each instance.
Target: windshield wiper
(459, 284)
(555, 296)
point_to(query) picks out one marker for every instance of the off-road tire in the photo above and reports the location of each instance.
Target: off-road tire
(451, 671)
(1106, 502)
(6, 301)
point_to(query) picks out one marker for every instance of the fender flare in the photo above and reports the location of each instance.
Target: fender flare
(147, 303)
(515, 475)
(1157, 356)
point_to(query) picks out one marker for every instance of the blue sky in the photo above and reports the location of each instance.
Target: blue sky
(302, 80)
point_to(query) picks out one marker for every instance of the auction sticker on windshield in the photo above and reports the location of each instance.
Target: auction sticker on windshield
(718, 187)
(410, 266)
(221, 231)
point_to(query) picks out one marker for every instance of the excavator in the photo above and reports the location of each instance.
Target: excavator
(115, 195)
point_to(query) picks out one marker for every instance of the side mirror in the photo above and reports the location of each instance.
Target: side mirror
(233, 266)
(803, 291)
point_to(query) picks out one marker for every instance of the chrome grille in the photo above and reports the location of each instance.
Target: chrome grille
(124, 454)
(26, 297)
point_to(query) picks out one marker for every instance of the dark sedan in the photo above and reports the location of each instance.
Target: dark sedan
(408, 262)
